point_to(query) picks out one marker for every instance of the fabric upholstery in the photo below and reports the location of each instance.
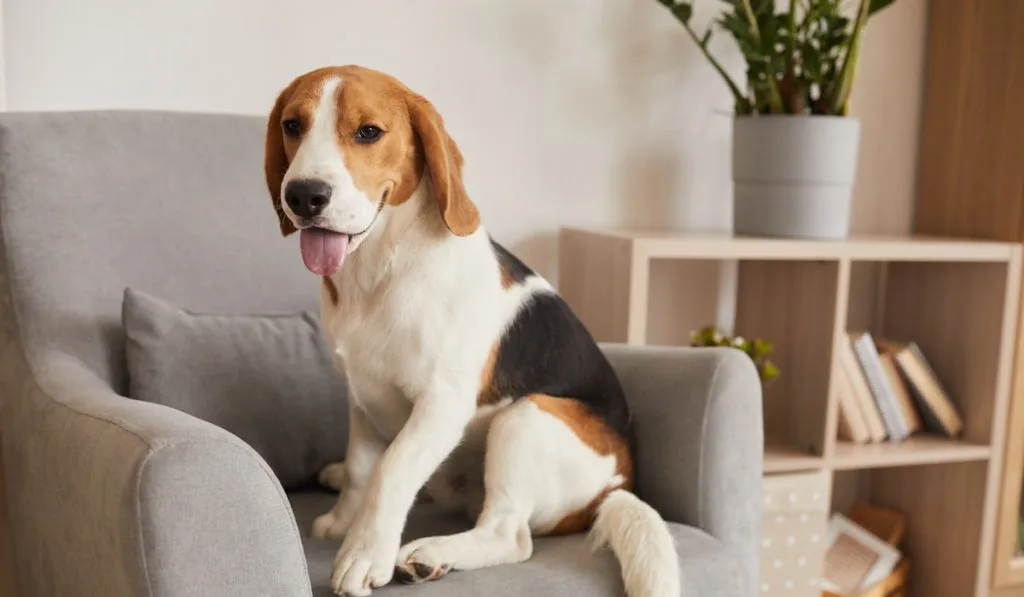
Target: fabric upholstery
(267, 378)
(559, 567)
(113, 497)
(92, 202)
(699, 446)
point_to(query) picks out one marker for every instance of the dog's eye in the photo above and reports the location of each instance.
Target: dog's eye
(292, 127)
(368, 133)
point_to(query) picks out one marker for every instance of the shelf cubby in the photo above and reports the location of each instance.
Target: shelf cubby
(957, 299)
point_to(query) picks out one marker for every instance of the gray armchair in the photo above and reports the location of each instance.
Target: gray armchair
(112, 497)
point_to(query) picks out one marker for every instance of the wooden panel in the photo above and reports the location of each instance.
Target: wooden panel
(594, 279)
(954, 312)
(1015, 591)
(793, 304)
(6, 548)
(780, 457)
(683, 296)
(919, 449)
(945, 504)
(867, 286)
(849, 487)
(971, 351)
(1005, 572)
(840, 315)
(667, 244)
(970, 179)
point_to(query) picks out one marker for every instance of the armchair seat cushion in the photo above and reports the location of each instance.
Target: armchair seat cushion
(560, 566)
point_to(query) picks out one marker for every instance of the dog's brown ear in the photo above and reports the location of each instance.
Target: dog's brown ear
(275, 162)
(445, 164)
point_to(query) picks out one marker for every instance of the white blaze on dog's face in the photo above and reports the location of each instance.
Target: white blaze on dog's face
(345, 143)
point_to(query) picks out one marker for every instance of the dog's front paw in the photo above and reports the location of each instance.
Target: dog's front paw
(365, 562)
(329, 526)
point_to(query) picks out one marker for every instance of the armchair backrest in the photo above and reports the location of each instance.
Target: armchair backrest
(171, 203)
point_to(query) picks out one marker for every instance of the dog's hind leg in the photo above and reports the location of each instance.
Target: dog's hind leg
(537, 474)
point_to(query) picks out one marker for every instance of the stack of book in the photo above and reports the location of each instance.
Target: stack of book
(888, 392)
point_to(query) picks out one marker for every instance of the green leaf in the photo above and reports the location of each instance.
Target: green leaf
(683, 11)
(760, 349)
(877, 5)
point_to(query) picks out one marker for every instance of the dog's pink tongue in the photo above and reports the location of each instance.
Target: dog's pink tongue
(323, 251)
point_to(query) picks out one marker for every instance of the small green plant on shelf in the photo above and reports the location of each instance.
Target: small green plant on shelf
(757, 349)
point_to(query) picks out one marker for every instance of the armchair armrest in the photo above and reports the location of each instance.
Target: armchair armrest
(117, 497)
(699, 439)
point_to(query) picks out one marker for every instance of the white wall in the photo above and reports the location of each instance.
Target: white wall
(569, 112)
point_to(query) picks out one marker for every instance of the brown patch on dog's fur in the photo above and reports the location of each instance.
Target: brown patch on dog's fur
(332, 290)
(596, 434)
(275, 160)
(489, 391)
(507, 281)
(581, 519)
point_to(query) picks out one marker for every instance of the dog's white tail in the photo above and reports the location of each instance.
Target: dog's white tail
(638, 537)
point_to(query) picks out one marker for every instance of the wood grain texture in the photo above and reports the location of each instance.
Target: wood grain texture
(971, 184)
(919, 449)
(793, 303)
(1010, 591)
(955, 313)
(683, 295)
(7, 588)
(666, 244)
(594, 279)
(946, 504)
(781, 456)
(1008, 570)
(840, 317)
(970, 179)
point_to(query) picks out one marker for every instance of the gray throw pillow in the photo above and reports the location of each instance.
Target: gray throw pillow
(268, 379)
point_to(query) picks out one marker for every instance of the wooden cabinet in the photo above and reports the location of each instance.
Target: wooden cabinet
(971, 183)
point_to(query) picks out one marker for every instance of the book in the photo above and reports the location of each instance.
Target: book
(900, 391)
(861, 393)
(852, 426)
(855, 559)
(939, 414)
(867, 355)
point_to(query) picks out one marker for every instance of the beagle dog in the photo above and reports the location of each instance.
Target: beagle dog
(471, 380)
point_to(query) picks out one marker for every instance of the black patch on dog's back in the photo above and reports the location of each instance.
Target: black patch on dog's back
(547, 350)
(513, 270)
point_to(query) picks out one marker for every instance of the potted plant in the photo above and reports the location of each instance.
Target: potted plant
(794, 145)
(757, 349)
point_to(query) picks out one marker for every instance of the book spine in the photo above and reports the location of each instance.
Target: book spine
(895, 426)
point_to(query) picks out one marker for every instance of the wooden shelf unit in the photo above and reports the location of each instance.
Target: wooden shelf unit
(957, 299)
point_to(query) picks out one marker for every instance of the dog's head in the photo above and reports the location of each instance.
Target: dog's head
(345, 143)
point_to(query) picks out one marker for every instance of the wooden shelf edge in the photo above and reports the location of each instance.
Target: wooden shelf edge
(919, 450)
(779, 458)
(671, 244)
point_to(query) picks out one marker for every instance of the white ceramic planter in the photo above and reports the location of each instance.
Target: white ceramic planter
(793, 175)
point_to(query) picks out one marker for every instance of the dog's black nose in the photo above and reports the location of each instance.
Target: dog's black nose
(307, 198)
